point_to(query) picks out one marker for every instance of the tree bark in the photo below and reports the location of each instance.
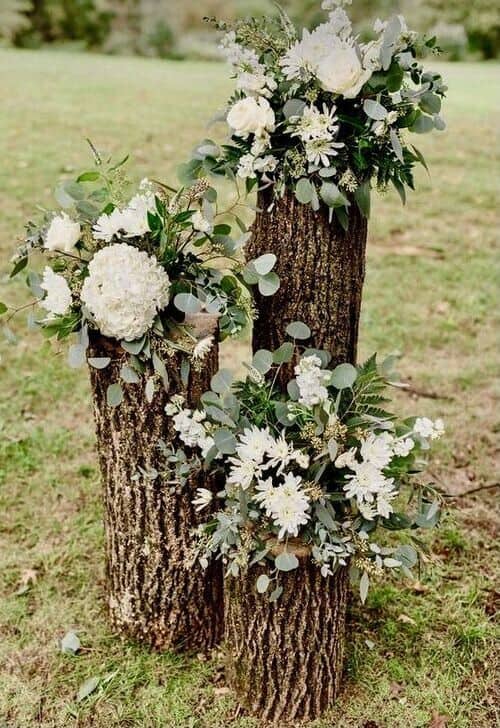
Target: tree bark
(286, 658)
(155, 594)
(322, 269)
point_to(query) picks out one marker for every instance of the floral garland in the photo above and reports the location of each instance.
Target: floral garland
(322, 466)
(322, 113)
(135, 269)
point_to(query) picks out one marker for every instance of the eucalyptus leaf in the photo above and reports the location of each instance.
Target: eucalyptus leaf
(364, 585)
(76, 356)
(88, 687)
(262, 583)
(343, 376)
(374, 110)
(284, 354)
(298, 330)
(129, 375)
(269, 284)
(396, 145)
(225, 441)
(264, 264)
(286, 561)
(262, 361)
(114, 395)
(99, 362)
(149, 390)
(187, 303)
(134, 347)
(221, 381)
(275, 594)
(294, 107)
(304, 191)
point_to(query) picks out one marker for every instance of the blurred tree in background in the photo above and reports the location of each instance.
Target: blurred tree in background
(175, 28)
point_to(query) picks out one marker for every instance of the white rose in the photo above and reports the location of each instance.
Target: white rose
(63, 234)
(341, 72)
(251, 116)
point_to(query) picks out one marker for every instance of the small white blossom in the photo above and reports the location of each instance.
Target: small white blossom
(135, 216)
(377, 449)
(427, 429)
(107, 226)
(346, 459)
(243, 472)
(254, 443)
(201, 224)
(58, 298)
(202, 348)
(319, 151)
(403, 447)
(203, 499)
(310, 381)
(63, 234)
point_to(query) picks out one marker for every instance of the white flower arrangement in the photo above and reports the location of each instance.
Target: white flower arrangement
(321, 467)
(135, 268)
(330, 111)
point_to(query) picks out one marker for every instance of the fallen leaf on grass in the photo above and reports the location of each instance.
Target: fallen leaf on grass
(88, 687)
(70, 643)
(28, 578)
(406, 619)
(439, 721)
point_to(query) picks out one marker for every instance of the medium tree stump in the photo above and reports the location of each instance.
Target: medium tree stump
(322, 269)
(156, 595)
(285, 658)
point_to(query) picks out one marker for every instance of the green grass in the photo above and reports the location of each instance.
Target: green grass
(430, 293)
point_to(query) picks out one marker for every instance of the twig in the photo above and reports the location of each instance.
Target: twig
(422, 393)
(488, 486)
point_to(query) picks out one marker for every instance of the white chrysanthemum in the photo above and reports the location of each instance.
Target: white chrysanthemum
(107, 226)
(58, 298)
(427, 429)
(243, 472)
(310, 381)
(134, 217)
(253, 444)
(319, 151)
(314, 124)
(63, 234)
(203, 499)
(124, 291)
(377, 449)
(286, 504)
(366, 481)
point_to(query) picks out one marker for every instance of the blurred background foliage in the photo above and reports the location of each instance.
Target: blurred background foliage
(175, 28)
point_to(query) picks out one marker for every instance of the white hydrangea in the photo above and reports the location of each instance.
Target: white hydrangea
(124, 291)
(286, 504)
(427, 429)
(63, 234)
(58, 298)
(190, 428)
(310, 381)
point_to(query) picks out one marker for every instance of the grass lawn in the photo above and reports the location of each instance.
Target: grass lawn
(420, 654)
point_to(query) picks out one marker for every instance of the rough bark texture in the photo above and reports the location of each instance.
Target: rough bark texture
(322, 269)
(154, 595)
(285, 658)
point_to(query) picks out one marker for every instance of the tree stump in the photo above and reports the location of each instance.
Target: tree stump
(322, 269)
(286, 658)
(155, 594)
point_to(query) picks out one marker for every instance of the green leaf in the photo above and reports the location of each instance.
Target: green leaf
(298, 330)
(19, 266)
(88, 687)
(76, 356)
(262, 583)
(362, 195)
(89, 177)
(407, 555)
(114, 395)
(262, 361)
(396, 145)
(284, 354)
(286, 561)
(264, 264)
(129, 375)
(221, 381)
(333, 449)
(269, 284)
(304, 191)
(332, 196)
(3, 308)
(275, 594)
(430, 103)
(187, 303)
(225, 441)
(134, 347)
(374, 110)
(99, 362)
(422, 124)
(364, 585)
(343, 376)
(70, 643)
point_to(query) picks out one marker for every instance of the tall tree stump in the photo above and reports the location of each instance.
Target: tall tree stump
(285, 658)
(322, 269)
(156, 595)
